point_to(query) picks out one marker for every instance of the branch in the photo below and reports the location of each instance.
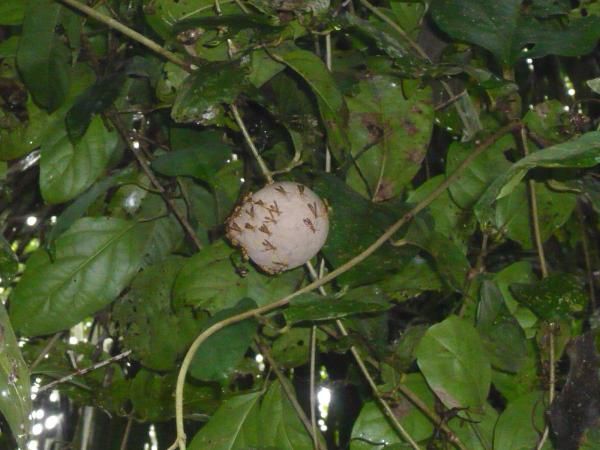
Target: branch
(115, 24)
(261, 162)
(81, 372)
(144, 164)
(181, 438)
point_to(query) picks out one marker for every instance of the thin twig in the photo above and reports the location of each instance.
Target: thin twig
(535, 222)
(392, 417)
(263, 166)
(126, 433)
(312, 387)
(115, 24)
(53, 340)
(181, 437)
(144, 164)
(81, 372)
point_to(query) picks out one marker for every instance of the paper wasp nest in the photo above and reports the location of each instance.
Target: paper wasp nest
(280, 227)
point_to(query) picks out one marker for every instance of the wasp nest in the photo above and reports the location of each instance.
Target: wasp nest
(280, 227)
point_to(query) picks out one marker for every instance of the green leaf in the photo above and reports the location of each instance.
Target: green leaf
(210, 281)
(199, 154)
(316, 307)
(372, 430)
(501, 333)
(9, 46)
(557, 296)
(244, 422)
(12, 12)
(146, 318)
(15, 398)
(548, 120)
(389, 134)
(594, 85)
(216, 358)
(400, 52)
(504, 29)
(200, 97)
(231, 427)
(473, 181)
(94, 262)
(354, 224)
(514, 219)
(43, 59)
(455, 364)
(67, 169)
(19, 141)
(449, 259)
(94, 100)
(580, 152)
(450, 220)
(263, 67)
(332, 106)
(151, 396)
(280, 426)
(519, 424)
(78, 208)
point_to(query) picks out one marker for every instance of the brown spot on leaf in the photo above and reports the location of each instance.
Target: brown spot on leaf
(415, 155)
(410, 127)
(385, 191)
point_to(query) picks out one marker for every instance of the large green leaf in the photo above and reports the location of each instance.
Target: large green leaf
(450, 220)
(372, 429)
(518, 425)
(514, 219)
(501, 333)
(233, 426)
(475, 179)
(18, 141)
(505, 30)
(245, 421)
(200, 97)
(147, 319)
(366, 299)
(355, 223)
(332, 106)
(455, 364)
(67, 169)
(15, 400)
(580, 152)
(43, 59)
(95, 100)
(196, 154)
(211, 281)
(555, 297)
(94, 262)
(389, 135)
(217, 358)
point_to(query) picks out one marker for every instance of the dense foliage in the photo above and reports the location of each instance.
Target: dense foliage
(455, 144)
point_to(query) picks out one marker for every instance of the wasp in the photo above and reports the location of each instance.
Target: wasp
(268, 246)
(310, 225)
(265, 230)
